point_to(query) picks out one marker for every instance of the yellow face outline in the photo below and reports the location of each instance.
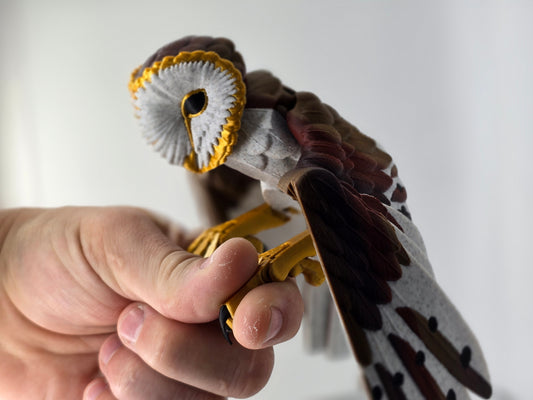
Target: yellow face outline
(229, 131)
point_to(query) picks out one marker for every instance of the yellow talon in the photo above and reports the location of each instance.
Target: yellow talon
(289, 259)
(312, 271)
(246, 225)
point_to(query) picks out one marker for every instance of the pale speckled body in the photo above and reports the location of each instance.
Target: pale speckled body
(266, 150)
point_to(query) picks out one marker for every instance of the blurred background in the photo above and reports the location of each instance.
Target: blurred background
(446, 88)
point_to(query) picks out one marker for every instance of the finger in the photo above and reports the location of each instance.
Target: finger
(98, 389)
(208, 284)
(133, 256)
(130, 378)
(268, 315)
(195, 354)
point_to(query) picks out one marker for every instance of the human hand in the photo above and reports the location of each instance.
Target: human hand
(104, 303)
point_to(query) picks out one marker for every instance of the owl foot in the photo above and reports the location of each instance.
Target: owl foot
(289, 259)
(246, 225)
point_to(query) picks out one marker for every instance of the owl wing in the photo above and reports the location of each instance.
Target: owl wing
(406, 334)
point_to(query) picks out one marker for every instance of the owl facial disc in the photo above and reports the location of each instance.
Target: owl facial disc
(189, 107)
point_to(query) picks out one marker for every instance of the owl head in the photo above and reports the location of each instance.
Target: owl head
(189, 104)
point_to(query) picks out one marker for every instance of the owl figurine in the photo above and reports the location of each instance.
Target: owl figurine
(199, 108)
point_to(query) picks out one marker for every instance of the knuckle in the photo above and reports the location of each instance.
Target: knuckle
(251, 376)
(122, 380)
(159, 356)
(99, 230)
(174, 267)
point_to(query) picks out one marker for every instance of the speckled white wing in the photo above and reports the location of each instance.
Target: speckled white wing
(409, 338)
(420, 322)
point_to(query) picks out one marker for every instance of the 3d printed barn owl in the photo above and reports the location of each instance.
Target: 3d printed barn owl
(199, 108)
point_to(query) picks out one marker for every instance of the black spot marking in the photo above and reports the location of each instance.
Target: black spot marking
(397, 379)
(451, 395)
(433, 325)
(377, 393)
(420, 358)
(466, 356)
(456, 360)
(404, 211)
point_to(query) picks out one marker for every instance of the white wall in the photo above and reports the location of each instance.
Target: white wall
(446, 88)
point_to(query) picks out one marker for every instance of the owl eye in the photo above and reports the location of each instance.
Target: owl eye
(194, 103)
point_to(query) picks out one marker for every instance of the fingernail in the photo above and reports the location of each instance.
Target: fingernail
(276, 321)
(130, 326)
(212, 253)
(204, 263)
(222, 256)
(109, 348)
(94, 390)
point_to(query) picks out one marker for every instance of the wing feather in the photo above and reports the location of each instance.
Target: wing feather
(386, 294)
(415, 344)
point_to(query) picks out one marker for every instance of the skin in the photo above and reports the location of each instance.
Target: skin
(104, 303)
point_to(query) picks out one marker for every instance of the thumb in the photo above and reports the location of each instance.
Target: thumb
(131, 253)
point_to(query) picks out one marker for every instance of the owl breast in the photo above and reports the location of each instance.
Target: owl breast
(265, 151)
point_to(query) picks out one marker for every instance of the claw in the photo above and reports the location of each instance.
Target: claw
(223, 317)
